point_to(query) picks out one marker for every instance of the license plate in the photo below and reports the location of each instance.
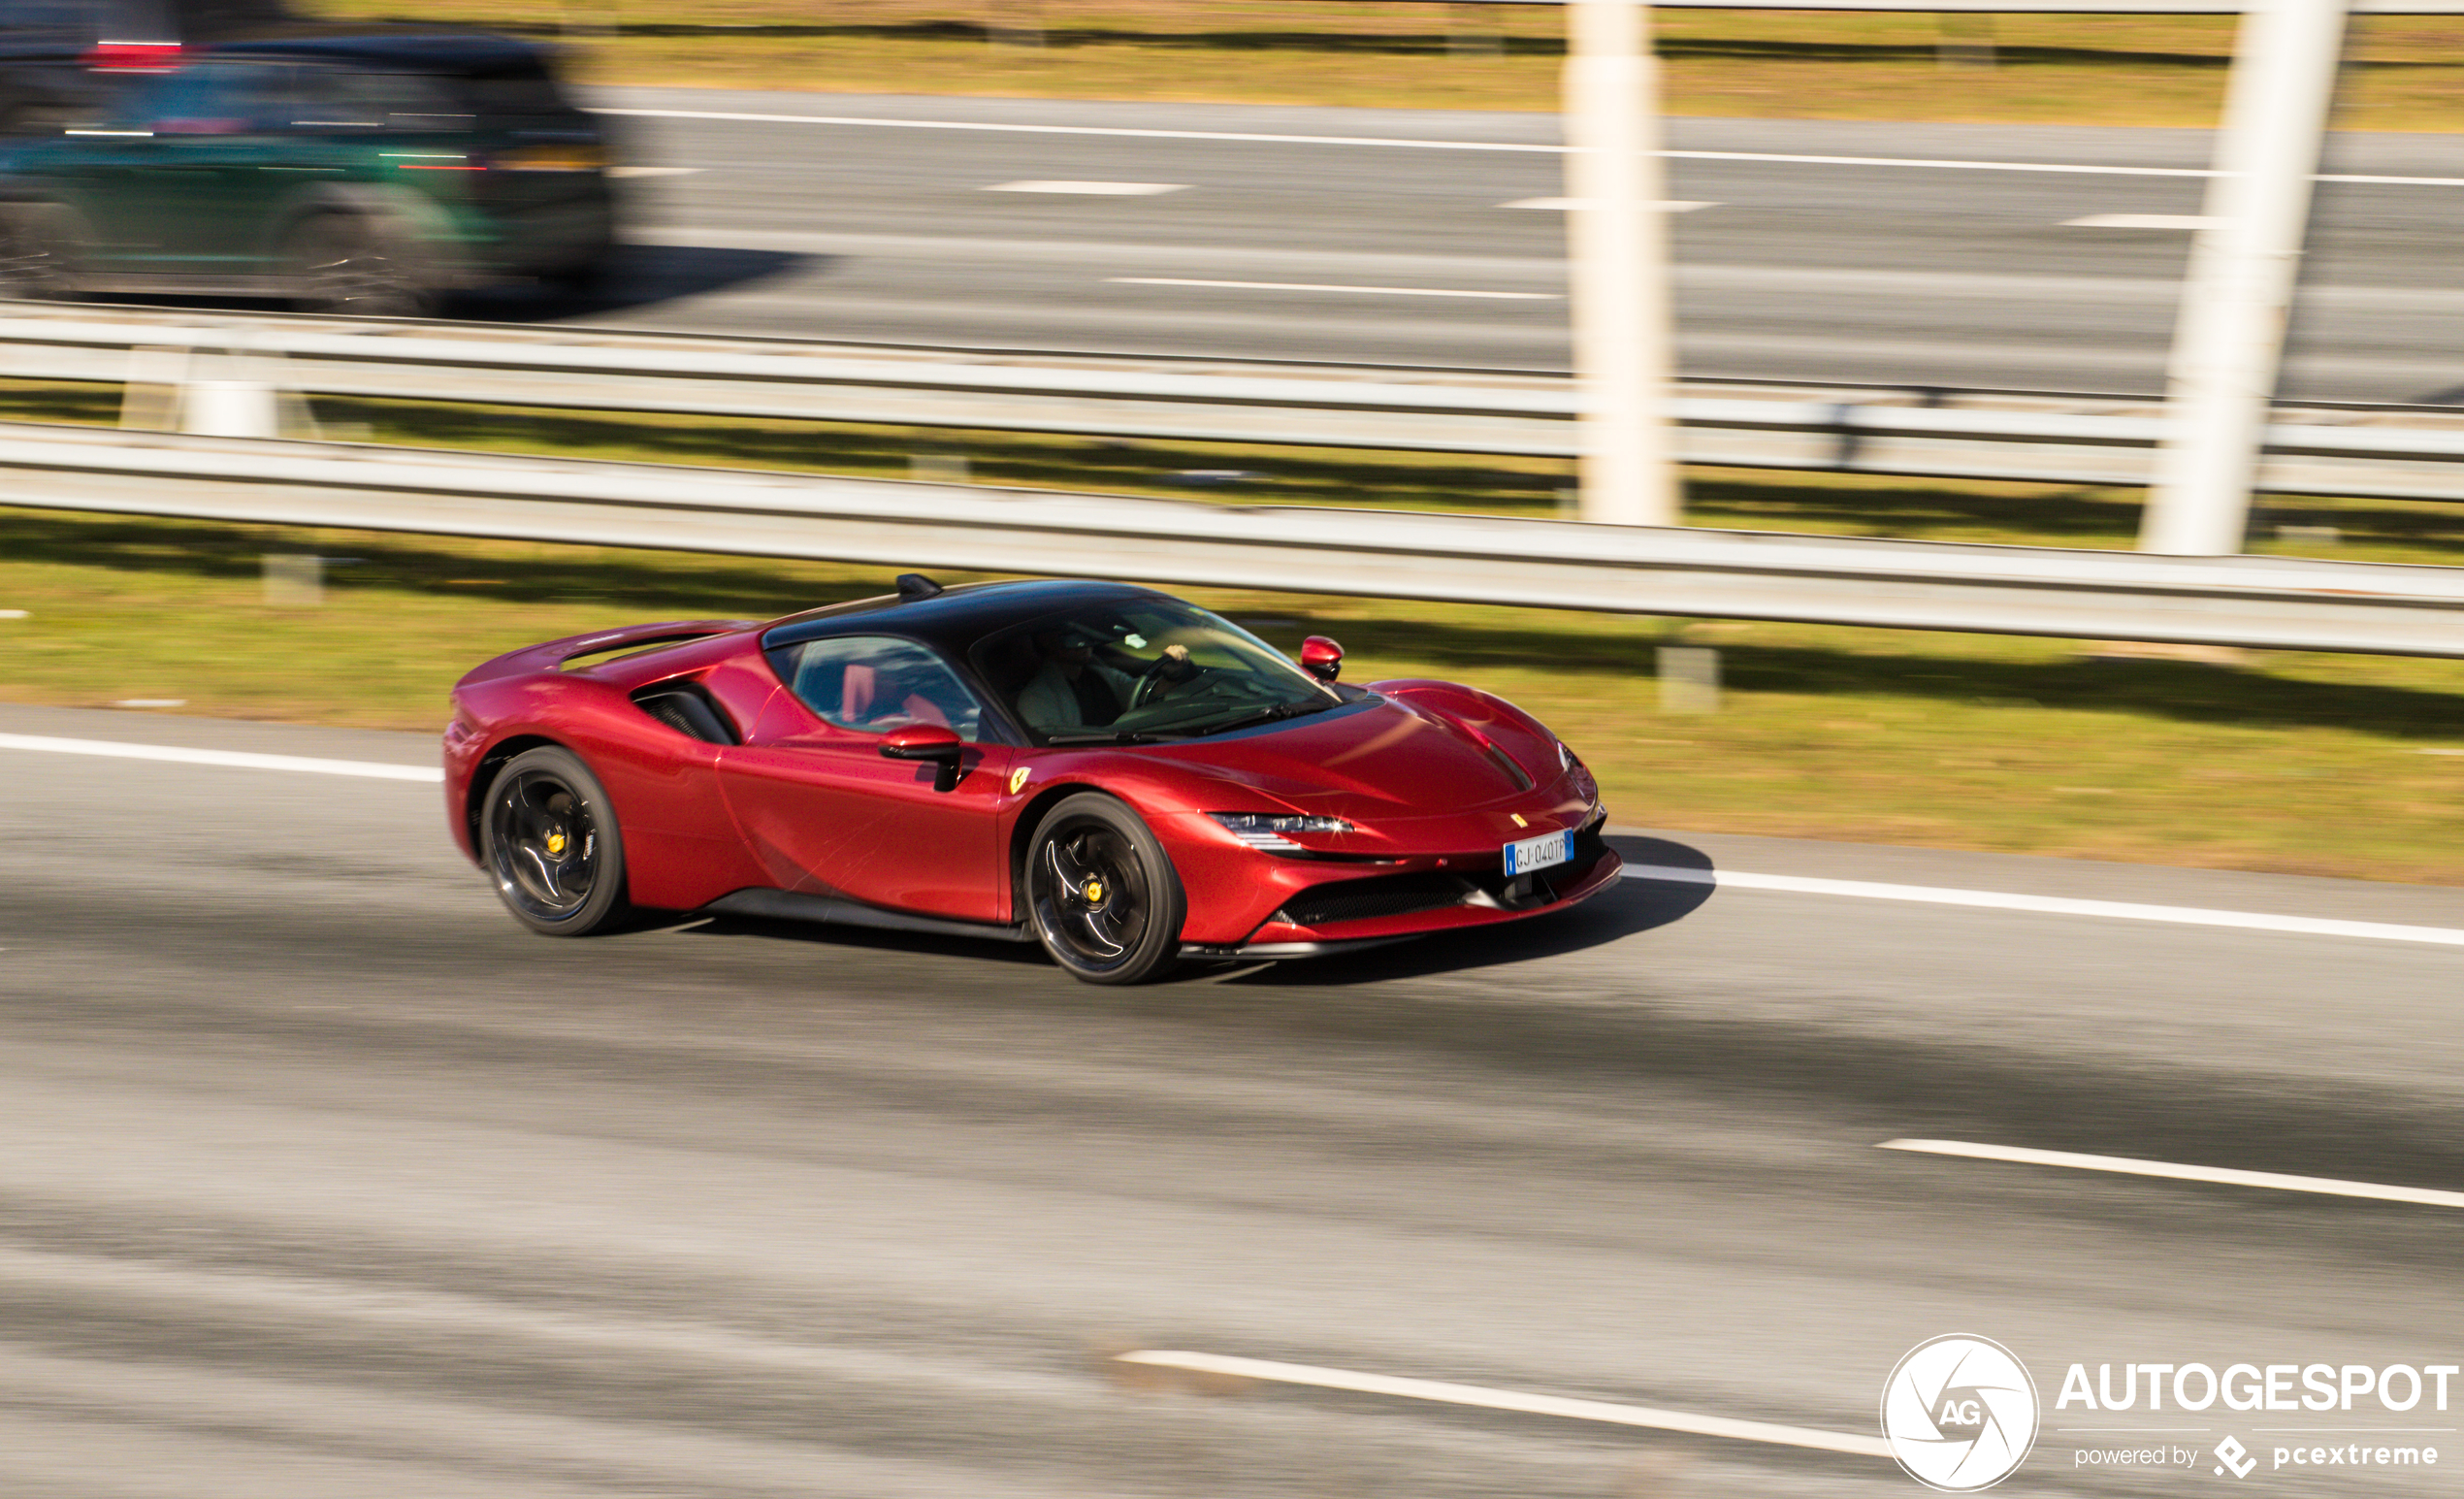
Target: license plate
(1549, 848)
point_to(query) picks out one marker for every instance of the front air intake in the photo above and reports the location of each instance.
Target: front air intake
(1381, 895)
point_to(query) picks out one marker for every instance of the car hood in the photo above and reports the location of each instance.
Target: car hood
(1350, 762)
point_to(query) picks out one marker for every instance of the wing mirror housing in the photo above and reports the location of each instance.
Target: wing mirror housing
(926, 741)
(1321, 657)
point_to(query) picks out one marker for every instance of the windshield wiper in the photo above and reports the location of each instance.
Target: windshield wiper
(1113, 736)
(1266, 716)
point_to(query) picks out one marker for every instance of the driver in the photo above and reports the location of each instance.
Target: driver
(1071, 689)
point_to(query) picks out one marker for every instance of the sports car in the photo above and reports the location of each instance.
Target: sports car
(1113, 772)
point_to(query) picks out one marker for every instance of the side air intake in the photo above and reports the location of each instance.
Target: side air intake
(686, 708)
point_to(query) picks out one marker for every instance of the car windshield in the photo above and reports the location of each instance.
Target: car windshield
(1143, 669)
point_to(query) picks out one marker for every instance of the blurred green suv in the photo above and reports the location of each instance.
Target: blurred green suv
(368, 173)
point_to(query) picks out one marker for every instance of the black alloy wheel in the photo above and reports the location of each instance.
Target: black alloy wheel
(356, 265)
(1102, 892)
(551, 845)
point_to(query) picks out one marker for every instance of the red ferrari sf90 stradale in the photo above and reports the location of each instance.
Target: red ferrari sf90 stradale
(1118, 775)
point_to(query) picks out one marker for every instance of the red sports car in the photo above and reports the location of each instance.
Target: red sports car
(1118, 775)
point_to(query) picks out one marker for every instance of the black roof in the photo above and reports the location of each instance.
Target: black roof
(462, 53)
(953, 620)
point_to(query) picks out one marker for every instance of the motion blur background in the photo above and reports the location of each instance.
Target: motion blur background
(319, 1179)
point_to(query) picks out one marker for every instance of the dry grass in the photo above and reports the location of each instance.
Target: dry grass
(2403, 73)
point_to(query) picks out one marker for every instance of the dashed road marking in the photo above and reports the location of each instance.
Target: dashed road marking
(1094, 189)
(1372, 291)
(1569, 205)
(2178, 222)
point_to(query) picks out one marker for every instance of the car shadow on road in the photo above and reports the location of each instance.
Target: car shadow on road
(1627, 907)
(639, 277)
(835, 935)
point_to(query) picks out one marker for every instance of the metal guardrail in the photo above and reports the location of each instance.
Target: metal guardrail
(2395, 454)
(2253, 601)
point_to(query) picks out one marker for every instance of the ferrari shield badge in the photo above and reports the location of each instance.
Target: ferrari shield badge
(1017, 779)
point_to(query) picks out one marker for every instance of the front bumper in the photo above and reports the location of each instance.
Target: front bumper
(1348, 916)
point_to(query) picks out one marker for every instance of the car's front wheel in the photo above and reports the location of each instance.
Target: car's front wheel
(551, 846)
(1102, 892)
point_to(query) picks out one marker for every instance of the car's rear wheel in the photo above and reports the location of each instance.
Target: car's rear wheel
(1102, 892)
(357, 265)
(550, 845)
(36, 253)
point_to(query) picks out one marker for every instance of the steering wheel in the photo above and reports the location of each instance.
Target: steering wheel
(1153, 683)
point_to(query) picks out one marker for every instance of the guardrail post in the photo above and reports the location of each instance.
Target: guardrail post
(1617, 235)
(2230, 338)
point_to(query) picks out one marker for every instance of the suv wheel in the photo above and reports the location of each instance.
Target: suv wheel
(36, 251)
(356, 265)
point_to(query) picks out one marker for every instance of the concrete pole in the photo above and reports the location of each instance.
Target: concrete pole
(1617, 234)
(2230, 335)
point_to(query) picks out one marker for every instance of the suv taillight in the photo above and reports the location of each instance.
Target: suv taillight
(133, 56)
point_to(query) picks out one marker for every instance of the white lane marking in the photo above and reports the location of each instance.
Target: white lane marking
(1372, 292)
(1405, 144)
(2054, 905)
(113, 749)
(2125, 1165)
(1094, 189)
(1511, 1400)
(2138, 221)
(652, 171)
(1569, 205)
(152, 702)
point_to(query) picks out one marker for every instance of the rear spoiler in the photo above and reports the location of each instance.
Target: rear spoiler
(555, 653)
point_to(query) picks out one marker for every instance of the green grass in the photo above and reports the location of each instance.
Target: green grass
(2403, 73)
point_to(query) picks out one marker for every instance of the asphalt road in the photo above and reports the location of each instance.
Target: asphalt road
(1799, 270)
(319, 1178)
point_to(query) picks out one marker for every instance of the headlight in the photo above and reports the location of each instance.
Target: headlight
(1275, 822)
(1266, 829)
(1564, 757)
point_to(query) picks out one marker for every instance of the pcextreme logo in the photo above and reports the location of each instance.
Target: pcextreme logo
(1960, 1413)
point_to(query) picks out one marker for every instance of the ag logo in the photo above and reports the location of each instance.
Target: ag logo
(1960, 1413)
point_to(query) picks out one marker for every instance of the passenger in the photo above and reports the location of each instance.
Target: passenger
(1072, 689)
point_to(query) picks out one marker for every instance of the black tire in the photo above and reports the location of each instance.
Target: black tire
(580, 280)
(357, 265)
(550, 845)
(1101, 891)
(37, 253)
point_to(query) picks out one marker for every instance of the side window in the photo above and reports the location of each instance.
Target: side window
(873, 684)
(223, 98)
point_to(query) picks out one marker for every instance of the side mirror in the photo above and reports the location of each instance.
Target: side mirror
(926, 741)
(1321, 657)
